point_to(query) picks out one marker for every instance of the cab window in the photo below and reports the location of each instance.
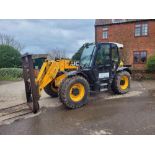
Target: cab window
(103, 55)
(115, 55)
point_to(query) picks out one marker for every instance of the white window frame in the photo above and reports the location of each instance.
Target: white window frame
(105, 33)
(141, 29)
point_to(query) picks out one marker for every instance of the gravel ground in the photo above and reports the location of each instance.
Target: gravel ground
(106, 113)
(13, 93)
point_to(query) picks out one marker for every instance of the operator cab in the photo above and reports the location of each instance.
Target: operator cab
(99, 62)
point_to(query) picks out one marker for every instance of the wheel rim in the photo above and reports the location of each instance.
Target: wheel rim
(77, 92)
(124, 83)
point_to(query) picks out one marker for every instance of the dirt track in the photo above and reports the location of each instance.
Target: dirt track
(13, 93)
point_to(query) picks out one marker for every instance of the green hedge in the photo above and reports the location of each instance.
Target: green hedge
(151, 64)
(9, 57)
(11, 73)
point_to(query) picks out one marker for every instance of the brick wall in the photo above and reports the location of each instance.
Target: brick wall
(124, 33)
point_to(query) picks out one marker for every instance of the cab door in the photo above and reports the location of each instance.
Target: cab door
(105, 65)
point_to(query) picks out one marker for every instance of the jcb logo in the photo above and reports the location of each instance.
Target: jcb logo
(75, 63)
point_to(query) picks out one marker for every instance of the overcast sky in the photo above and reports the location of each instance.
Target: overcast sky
(41, 36)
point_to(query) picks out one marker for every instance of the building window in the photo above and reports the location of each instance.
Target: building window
(105, 32)
(137, 30)
(144, 29)
(140, 57)
(141, 30)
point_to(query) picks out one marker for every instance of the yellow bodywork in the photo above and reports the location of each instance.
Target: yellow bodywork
(121, 64)
(50, 70)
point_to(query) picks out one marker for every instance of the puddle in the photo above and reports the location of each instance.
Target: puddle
(129, 94)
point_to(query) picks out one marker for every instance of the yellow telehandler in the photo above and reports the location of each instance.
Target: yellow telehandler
(100, 69)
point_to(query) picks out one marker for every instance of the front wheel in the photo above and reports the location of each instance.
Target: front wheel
(74, 92)
(51, 90)
(121, 83)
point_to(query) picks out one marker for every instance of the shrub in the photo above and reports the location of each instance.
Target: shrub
(151, 63)
(11, 73)
(9, 57)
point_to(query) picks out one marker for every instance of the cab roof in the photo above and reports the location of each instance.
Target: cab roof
(117, 44)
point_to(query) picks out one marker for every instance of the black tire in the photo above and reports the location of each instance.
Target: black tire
(60, 89)
(51, 90)
(64, 92)
(116, 84)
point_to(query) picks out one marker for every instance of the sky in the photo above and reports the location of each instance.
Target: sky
(42, 36)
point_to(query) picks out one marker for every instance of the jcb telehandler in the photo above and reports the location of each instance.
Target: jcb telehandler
(99, 70)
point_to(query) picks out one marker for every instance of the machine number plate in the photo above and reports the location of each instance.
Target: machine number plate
(103, 75)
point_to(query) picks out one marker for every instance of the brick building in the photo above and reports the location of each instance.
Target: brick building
(138, 37)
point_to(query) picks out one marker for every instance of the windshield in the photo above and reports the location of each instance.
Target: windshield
(86, 57)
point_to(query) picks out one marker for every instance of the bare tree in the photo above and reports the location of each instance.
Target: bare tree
(10, 41)
(57, 54)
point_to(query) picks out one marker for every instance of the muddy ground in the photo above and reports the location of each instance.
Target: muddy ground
(106, 113)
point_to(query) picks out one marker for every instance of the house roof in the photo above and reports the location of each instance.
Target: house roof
(102, 22)
(36, 56)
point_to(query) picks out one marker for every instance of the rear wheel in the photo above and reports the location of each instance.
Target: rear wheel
(121, 83)
(74, 92)
(51, 90)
